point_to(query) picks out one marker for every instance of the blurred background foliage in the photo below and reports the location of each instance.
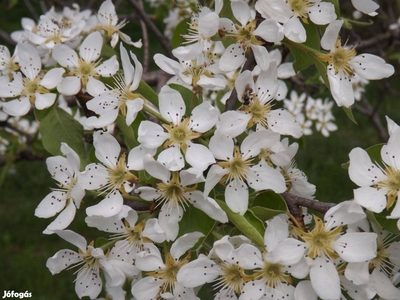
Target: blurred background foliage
(24, 249)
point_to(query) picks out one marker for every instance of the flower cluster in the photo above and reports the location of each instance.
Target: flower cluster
(193, 182)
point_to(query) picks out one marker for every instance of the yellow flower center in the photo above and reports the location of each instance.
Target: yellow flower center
(180, 135)
(273, 274)
(31, 87)
(238, 167)
(299, 7)
(391, 184)
(119, 175)
(233, 277)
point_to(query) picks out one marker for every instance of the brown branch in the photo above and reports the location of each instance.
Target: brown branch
(6, 37)
(295, 203)
(233, 98)
(152, 27)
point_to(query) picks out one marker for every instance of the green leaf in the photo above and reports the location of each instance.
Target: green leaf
(147, 92)
(257, 223)
(349, 113)
(265, 214)
(270, 200)
(128, 132)
(243, 225)
(195, 220)
(381, 220)
(59, 126)
(40, 114)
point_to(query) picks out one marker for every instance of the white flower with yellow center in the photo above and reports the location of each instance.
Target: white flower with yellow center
(290, 12)
(161, 280)
(236, 168)
(325, 243)
(68, 196)
(111, 176)
(219, 267)
(108, 20)
(120, 98)
(29, 86)
(174, 194)
(131, 238)
(245, 34)
(92, 262)
(343, 63)
(179, 134)
(85, 68)
(379, 184)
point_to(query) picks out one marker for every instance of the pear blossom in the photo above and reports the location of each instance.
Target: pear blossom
(29, 86)
(245, 35)
(121, 98)
(65, 199)
(325, 125)
(236, 167)
(174, 193)
(178, 135)
(343, 62)
(162, 276)
(8, 62)
(83, 70)
(108, 22)
(50, 32)
(326, 243)
(92, 262)
(378, 183)
(111, 175)
(132, 238)
(257, 98)
(290, 12)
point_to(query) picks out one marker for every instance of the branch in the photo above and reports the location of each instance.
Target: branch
(152, 27)
(295, 203)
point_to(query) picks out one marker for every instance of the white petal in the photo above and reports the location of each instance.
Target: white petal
(356, 246)
(65, 56)
(73, 238)
(328, 40)
(148, 193)
(237, 196)
(43, 101)
(169, 221)
(198, 272)
(287, 252)
(52, 78)
(18, 107)
(171, 104)
(262, 56)
(108, 67)
(184, 243)
(232, 58)
(357, 272)
(208, 24)
(366, 6)
(276, 231)
(156, 169)
(341, 88)
(295, 31)
(371, 198)
(108, 207)
(136, 155)
(151, 135)
(107, 148)
(147, 288)
(222, 146)
(166, 64)
(94, 177)
(241, 11)
(270, 30)
(325, 279)
(322, 13)
(133, 107)
(244, 82)
(172, 158)
(361, 169)
(371, 67)
(263, 177)
(199, 156)
(208, 206)
(63, 219)
(254, 142)
(13, 88)
(203, 117)
(51, 204)
(60, 169)
(283, 122)
(247, 256)
(304, 291)
(91, 47)
(213, 177)
(29, 61)
(88, 283)
(383, 285)
(62, 260)
(69, 86)
(233, 123)
(346, 212)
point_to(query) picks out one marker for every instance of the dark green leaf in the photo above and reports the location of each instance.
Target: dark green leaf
(243, 224)
(180, 29)
(147, 92)
(128, 132)
(257, 223)
(270, 200)
(381, 220)
(195, 220)
(59, 126)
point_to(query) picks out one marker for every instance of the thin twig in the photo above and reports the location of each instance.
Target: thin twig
(146, 44)
(32, 10)
(153, 28)
(6, 37)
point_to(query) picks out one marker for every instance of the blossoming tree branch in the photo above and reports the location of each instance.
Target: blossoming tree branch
(189, 171)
